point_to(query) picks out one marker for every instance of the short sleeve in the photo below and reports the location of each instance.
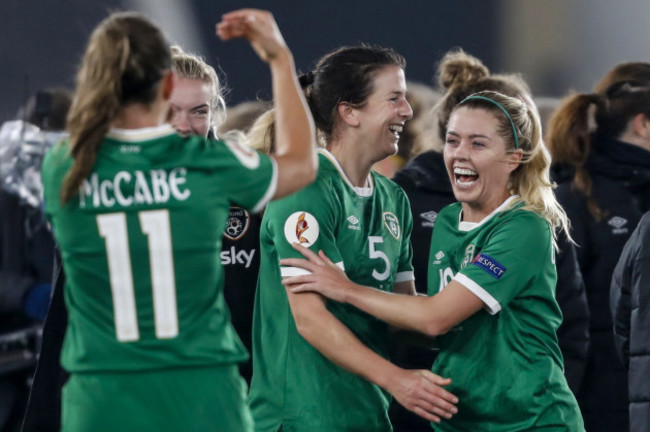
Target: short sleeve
(405, 266)
(251, 176)
(308, 217)
(517, 252)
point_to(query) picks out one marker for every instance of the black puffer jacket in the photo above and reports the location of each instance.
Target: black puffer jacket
(426, 183)
(630, 306)
(620, 175)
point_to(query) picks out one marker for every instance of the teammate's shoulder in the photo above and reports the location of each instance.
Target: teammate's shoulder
(58, 155)
(387, 183)
(452, 208)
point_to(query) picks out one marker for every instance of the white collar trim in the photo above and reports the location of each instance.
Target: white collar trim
(360, 191)
(468, 226)
(143, 134)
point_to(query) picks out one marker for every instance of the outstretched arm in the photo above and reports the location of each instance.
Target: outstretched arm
(295, 133)
(432, 316)
(418, 390)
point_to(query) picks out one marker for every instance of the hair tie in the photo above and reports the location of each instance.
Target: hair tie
(306, 80)
(498, 105)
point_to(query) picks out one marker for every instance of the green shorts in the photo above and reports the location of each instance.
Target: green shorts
(188, 399)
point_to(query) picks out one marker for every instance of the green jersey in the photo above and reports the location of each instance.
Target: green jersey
(504, 361)
(140, 246)
(366, 231)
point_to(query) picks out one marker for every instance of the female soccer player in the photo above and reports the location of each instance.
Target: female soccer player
(138, 212)
(319, 366)
(491, 275)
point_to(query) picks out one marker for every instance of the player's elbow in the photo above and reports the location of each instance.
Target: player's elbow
(306, 326)
(436, 327)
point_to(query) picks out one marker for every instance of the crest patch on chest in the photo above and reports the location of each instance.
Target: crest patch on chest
(392, 225)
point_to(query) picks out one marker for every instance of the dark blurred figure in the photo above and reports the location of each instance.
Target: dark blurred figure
(26, 247)
(242, 116)
(604, 186)
(630, 306)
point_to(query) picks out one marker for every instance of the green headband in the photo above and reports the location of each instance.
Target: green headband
(514, 130)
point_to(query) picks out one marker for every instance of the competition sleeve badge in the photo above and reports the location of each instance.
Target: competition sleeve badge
(238, 223)
(301, 227)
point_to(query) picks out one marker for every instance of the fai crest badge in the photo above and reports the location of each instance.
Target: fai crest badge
(392, 224)
(469, 256)
(301, 227)
(238, 222)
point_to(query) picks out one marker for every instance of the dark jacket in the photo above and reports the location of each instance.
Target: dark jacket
(426, 183)
(630, 306)
(620, 175)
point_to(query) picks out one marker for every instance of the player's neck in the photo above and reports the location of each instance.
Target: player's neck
(138, 116)
(354, 165)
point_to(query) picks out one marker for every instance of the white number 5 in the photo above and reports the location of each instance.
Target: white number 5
(372, 240)
(155, 225)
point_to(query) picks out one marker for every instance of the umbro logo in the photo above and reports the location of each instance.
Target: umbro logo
(428, 218)
(618, 225)
(354, 222)
(439, 255)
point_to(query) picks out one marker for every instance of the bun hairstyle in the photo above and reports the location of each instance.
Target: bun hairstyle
(460, 75)
(623, 93)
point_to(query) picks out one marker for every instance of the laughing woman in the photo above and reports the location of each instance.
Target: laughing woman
(320, 366)
(491, 276)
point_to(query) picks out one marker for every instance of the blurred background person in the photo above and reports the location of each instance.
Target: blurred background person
(604, 185)
(242, 116)
(630, 307)
(26, 246)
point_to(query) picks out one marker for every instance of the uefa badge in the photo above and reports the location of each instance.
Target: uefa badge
(392, 224)
(238, 223)
(469, 255)
(302, 228)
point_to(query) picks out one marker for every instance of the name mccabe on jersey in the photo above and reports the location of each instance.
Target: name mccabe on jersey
(135, 188)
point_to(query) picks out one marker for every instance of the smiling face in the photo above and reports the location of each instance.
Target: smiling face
(190, 104)
(385, 112)
(479, 167)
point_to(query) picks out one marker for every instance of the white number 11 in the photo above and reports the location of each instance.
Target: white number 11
(155, 225)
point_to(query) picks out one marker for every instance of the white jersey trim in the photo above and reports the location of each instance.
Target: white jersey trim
(143, 134)
(404, 276)
(295, 271)
(270, 191)
(468, 226)
(360, 191)
(491, 304)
